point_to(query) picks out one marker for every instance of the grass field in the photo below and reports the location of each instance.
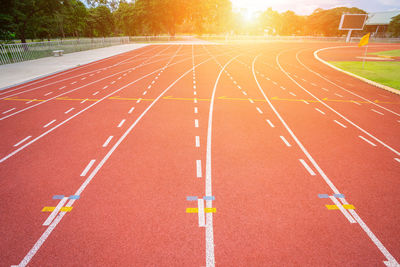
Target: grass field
(390, 53)
(386, 73)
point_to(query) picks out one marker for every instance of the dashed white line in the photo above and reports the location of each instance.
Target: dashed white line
(62, 87)
(366, 140)
(105, 87)
(84, 78)
(197, 141)
(69, 110)
(196, 110)
(49, 123)
(285, 141)
(270, 124)
(23, 140)
(244, 92)
(201, 213)
(195, 100)
(355, 102)
(380, 113)
(293, 94)
(306, 102)
(8, 111)
(313, 84)
(49, 93)
(131, 110)
(119, 78)
(194, 87)
(153, 82)
(283, 88)
(259, 110)
(234, 82)
(30, 101)
(341, 124)
(320, 111)
(251, 101)
(107, 141)
(112, 82)
(138, 101)
(307, 167)
(338, 95)
(148, 87)
(194, 93)
(239, 87)
(84, 100)
(144, 93)
(196, 123)
(324, 89)
(274, 82)
(74, 82)
(95, 93)
(397, 159)
(86, 170)
(198, 168)
(121, 123)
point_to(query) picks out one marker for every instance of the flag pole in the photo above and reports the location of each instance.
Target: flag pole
(365, 55)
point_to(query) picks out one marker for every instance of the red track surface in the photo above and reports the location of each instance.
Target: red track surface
(249, 116)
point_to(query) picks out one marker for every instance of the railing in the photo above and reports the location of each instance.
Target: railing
(12, 53)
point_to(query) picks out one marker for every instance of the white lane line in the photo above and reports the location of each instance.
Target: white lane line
(62, 87)
(124, 74)
(320, 111)
(55, 211)
(131, 110)
(8, 111)
(148, 87)
(86, 170)
(95, 93)
(244, 92)
(23, 140)
(105, 87)
(197, 141)
(198, 168)
(156, 78)
(69, 110)
(195, 100)
(338, 95)
(194, 93)
(234, 82)
(30, 101)
(119, 78)
(343, 210)
(194, 87)
(112, 82)
(380, 113)
(324, 89)
(91, 75)
(121, 123)
(355, 102)
(196, 123)
(145, 92)
(200, 212)
(259, 110)
(74, 82)
(196, 110)
(293, 94)
(307, 167)
(270, 124)
(239, 87)
(341, 124)
(194, 81)
(138, 101)
(49, 123)
(285, 141)
(283, 88)
(274, 82)
(153, 82)
(251, 100)
(84, 78)
(107, 141)
(366, 140)
(84, 100)
(397, 159)
(313, 84)
(306, 102)
(49, 93)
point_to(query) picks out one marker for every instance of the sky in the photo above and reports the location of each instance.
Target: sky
(306, 7)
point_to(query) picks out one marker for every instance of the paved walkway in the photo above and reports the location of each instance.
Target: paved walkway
(13, 74)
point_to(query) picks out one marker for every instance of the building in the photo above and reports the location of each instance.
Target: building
(378, 22)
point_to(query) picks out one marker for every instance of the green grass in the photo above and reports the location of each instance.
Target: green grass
(386, 73)
(390, 53)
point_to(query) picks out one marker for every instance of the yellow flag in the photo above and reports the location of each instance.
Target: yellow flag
(364, 40)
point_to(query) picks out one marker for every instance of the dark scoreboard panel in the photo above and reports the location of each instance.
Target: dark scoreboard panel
(352, 21)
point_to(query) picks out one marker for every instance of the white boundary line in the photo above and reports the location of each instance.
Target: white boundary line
(25, 261)
(375, 240)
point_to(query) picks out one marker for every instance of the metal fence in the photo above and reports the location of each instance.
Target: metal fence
(11, 53)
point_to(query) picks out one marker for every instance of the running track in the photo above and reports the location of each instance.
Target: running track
(201, 155)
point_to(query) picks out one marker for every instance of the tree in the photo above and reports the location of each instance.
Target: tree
(100, 21)
(394, 26)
